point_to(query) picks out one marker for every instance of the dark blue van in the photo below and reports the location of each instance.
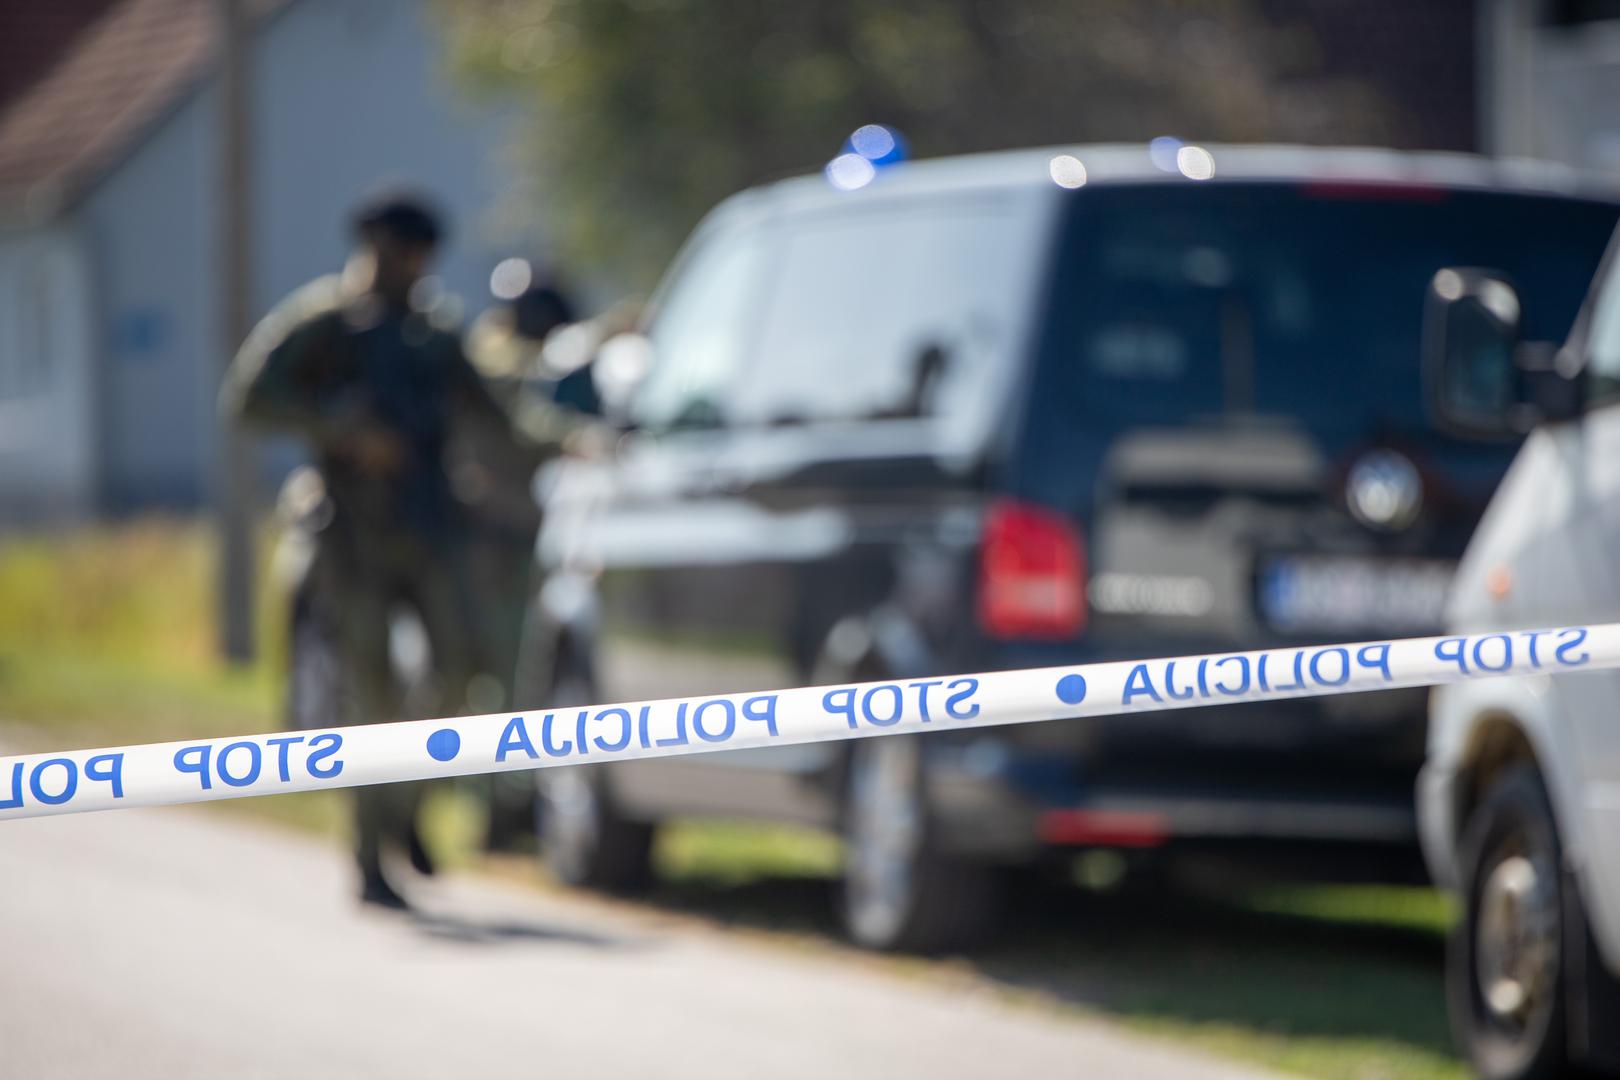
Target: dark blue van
(1034, 408)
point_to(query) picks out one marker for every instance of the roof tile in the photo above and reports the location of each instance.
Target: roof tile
(119, 76)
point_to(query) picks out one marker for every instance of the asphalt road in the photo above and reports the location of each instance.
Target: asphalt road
(179, 943)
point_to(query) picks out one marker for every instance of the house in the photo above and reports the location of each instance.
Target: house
(1551, 80)
(110, 343)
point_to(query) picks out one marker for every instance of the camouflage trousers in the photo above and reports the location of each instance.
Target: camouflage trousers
(375, 579)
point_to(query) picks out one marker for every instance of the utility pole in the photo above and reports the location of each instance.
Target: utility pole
(234, 499)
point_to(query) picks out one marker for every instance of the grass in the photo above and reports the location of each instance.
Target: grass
(733, 854)
(105, 637)
(1347, 997)
(1326, 981)
(1420, 910)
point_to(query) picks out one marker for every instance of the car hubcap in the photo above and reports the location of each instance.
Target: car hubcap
(885, 833)
(570, 819)
(1517, 939)
(313, 679)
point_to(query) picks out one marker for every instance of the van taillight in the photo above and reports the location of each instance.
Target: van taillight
(1032, 574)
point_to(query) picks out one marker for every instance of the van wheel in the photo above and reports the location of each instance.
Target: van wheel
(899, 893)
(1505, 978)
(584, 840)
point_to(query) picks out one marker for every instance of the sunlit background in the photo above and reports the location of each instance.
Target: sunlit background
(146, 222)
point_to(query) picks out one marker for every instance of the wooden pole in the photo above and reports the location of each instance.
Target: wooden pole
(234, 493)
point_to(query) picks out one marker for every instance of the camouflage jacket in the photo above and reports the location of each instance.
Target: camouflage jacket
(325, 367)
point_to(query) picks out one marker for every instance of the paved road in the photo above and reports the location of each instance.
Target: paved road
(181, 943)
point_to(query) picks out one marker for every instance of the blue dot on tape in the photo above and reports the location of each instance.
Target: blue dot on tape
(1071, 689)
(444, 744)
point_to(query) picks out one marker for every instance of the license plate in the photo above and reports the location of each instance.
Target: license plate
(1341, 594)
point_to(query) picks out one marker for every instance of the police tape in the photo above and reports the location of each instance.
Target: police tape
(234, 767)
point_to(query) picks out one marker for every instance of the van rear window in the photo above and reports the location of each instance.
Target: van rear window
(1176, 303)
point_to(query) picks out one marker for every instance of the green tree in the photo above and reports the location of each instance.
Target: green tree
(646, 112)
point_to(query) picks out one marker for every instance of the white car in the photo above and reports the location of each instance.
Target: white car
(1519, 803)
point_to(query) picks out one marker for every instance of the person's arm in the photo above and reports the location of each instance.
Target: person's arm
(539, 428)
(472, 394)
(275, 383)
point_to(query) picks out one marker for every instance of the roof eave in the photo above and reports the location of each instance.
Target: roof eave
(35, 206)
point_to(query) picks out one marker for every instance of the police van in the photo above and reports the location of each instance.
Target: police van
(1024, 409)
(1520, 798)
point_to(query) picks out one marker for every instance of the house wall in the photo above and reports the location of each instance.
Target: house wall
(348, 96)
(351, 96)
(150, 226)
(1578, 73)
(47, 458)
(1549, 88)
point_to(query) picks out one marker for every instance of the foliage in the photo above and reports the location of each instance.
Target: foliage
(111, 627)
(646, 112)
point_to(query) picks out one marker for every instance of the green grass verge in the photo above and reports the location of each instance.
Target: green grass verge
(1329, 981)
(106, 637)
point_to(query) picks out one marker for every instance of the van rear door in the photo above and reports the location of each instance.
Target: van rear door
(1241, 362)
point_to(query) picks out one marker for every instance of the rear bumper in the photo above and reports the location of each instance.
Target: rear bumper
(1319, 769)
(1366, 839)
(996, 818)
(1011, 795)
(1149, 820)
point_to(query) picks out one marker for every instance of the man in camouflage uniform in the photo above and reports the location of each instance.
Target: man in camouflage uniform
(370, 383)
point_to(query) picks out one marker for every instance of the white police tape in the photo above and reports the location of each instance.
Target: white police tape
(227, 768)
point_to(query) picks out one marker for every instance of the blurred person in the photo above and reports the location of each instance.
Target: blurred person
(353, 366)
(505, 343)
(521, 348)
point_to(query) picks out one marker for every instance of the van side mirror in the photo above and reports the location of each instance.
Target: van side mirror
(1471, 331)
(1484, 378)
(1551, 385)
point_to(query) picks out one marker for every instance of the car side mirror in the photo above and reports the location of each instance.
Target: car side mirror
(1484, 379)
(622, 363)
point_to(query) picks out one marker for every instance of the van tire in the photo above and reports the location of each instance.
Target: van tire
(899, 893)
(1505, 977)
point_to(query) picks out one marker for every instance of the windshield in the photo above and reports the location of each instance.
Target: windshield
(877, 312)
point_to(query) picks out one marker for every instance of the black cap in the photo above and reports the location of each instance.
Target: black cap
(540, 309)
(403, 215)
